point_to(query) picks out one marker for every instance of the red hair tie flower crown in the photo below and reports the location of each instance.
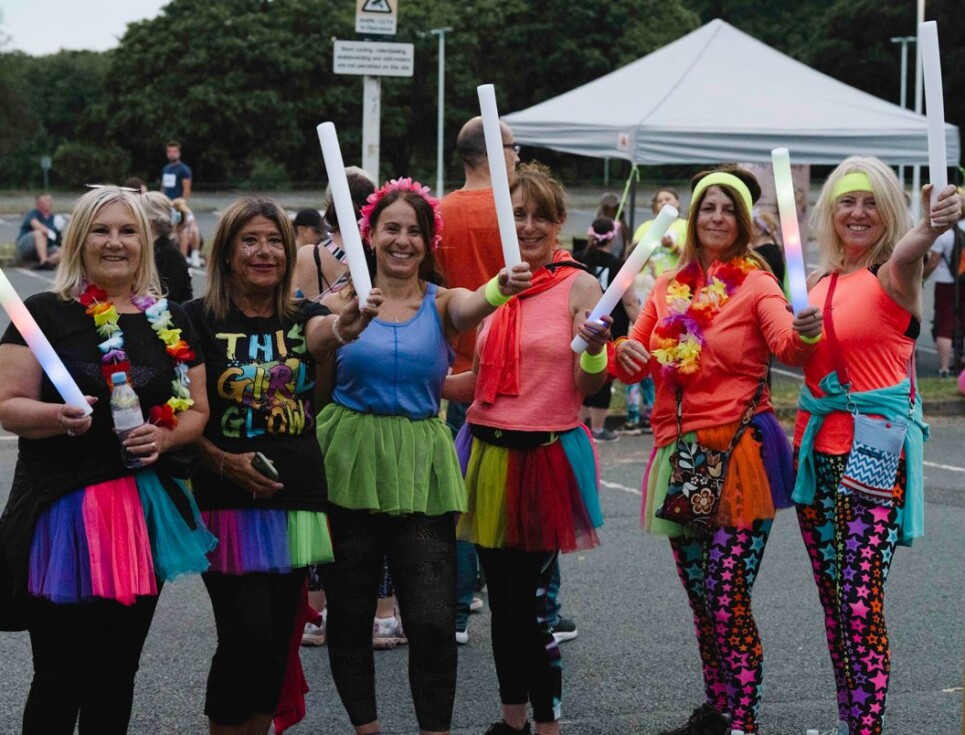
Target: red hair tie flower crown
(406, 184)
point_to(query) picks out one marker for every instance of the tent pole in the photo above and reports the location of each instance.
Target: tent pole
(633, 200)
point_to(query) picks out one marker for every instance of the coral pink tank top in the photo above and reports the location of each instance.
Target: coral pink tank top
(548, 398)
(873, 333)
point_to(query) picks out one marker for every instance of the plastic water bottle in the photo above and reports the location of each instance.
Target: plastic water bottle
(126, 412)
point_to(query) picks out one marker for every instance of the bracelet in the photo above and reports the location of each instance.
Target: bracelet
(338, 337)
(619, 341)
(811, 340)
(493, 295)
(593, 364)
(221, 466)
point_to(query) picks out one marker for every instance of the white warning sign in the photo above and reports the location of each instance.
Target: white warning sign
(376, 16)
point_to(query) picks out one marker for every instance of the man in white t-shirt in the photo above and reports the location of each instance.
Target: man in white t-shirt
(943, 260)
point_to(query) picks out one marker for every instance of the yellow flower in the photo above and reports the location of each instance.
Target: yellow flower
(180, 404)
(169, 336)
(677, 290)
(105, 316)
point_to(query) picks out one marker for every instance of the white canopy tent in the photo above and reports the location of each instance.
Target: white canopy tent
(718, 94)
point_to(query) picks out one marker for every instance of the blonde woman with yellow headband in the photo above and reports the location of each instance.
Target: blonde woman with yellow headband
(706, 335)
(852, 515)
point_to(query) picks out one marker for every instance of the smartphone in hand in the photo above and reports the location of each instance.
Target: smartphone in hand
(265, 466)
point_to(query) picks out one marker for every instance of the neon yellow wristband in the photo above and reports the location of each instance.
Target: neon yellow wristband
(493, 295)
(593, 364)
(811, 340)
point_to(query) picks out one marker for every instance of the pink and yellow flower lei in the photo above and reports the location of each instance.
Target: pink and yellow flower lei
(406, 184)
(692, 307)
(115, 360)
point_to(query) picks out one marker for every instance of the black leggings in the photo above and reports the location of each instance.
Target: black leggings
(526, 655)
(85, 658)
(255, 618)
(422, 558)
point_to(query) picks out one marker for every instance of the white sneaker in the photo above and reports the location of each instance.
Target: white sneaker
(841, 729)
(462, 637)
(195, 259)
(387, 633)
(476, 605)
(314, 635)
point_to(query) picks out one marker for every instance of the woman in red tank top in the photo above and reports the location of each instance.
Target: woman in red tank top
(869, 283)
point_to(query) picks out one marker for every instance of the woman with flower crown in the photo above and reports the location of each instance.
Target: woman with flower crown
(394, 480)
(86, 543)
(705, 335)
(261, 486)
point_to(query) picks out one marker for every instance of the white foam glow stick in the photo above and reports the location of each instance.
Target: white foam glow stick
(932, 70)
(498, 175)
(348, 225)
(624, 277)
(787, 208)
(39, 344)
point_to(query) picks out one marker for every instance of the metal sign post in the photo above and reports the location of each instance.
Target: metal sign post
(45, 164)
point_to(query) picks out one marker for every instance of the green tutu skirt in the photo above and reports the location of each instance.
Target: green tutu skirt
(389, 464)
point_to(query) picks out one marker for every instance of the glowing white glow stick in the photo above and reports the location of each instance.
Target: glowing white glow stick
(787, 208)
(39, 344)
(348, 225)
(624, 277)
(932, 70)
(498, 175)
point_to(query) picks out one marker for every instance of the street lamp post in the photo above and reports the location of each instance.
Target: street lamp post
(441, 32)
(904, 41)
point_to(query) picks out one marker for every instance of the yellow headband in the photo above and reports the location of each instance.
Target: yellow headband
(855, 181)
(726, 179)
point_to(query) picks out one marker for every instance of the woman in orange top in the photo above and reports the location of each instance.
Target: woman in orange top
(869, 279)
(705, 335)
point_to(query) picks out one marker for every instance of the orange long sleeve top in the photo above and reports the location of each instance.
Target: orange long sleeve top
(752, 324)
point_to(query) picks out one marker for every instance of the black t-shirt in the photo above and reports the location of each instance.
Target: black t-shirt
(604, 266)
(64, 463)
(261, 380)
(173, 271)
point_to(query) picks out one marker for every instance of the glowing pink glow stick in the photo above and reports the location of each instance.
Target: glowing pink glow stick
(498, 175)
(793, 253)
(348, 225)
(39, 344)
(932, 71)
(624, 277)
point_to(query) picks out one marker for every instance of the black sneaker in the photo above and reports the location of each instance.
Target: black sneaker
(704, 720)
(604, 436)
(631, 428)
(501, 728)
(564, 630)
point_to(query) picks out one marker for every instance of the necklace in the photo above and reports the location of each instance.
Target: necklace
(680, 334)
(114, 358)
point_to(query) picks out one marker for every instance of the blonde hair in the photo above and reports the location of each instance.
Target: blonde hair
(889, 201)
(71, 276)
(158, 208)
(217, 299)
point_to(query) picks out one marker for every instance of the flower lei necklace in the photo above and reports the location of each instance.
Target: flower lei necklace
(115, 360)
(680, 334)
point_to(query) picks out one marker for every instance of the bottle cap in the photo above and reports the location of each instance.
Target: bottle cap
(119, 377)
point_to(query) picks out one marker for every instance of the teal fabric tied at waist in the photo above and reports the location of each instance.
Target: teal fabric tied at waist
(890, 402)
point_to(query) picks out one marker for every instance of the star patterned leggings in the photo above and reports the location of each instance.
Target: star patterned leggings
(851, 543)
(718, 572)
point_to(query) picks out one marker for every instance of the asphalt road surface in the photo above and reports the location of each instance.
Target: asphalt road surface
(634, 666)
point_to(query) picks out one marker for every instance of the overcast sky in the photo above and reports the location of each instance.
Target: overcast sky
(46, 26)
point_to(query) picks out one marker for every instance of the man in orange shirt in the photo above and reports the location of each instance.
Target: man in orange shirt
(468, 256)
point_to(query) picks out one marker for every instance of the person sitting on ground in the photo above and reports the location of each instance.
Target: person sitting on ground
(39, 236)
(187, 233)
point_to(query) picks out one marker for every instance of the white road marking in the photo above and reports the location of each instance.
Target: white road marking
(618, 486)
(947, 467)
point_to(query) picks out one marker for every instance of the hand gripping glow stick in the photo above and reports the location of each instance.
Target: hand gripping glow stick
(348, 225)
(498, 175)
(39, 344)
(797, 278)
(932, 69)
(624, 277)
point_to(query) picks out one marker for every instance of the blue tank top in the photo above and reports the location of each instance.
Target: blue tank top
(396, 369)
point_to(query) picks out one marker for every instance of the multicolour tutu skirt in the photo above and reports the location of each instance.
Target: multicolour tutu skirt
(760, 476)
(263, 540)
(389, 464)
(544, 498)
(117, 540)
